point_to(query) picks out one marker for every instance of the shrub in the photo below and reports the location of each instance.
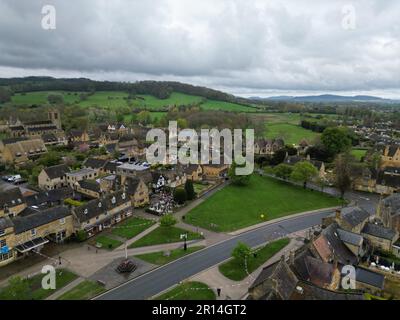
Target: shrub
(81, 235)
(168, 220)
(180, 195)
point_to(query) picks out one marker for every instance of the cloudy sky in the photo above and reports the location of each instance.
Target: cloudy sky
(247, 48)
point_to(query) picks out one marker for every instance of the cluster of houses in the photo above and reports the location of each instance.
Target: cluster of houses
(315, 271)
(384, 179)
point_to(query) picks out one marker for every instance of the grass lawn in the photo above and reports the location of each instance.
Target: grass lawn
(235, 269)
(199, 187)
(225, 106)
(132, 227)
(290, 133)
(358, 153)
(160, 258)
(189, 291)
(63, 277)
(236, 207)
(83, 291)
(163, 235)
(106, 242)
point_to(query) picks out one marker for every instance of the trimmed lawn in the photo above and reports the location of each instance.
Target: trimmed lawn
(132, 227)
(107, 243)
(236, 207)
(189, 291)
(83, 291)
(235, 269)
(163, 235)
(160, 258)
(290, 133)
(198, 187)
(63, 277)
(358, 153)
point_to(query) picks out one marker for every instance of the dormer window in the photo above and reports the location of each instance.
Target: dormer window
(113, 200)
(123, 196)
(86, 211)
(99, 205)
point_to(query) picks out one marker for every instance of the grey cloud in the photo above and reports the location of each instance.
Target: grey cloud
(237, 45)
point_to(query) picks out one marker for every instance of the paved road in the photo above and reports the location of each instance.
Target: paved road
(164, 277)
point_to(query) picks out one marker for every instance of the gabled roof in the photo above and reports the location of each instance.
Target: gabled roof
(57, 171)
(393, 202)
(354, 215)
(350, 237)
(379, 231)
(5, 222)
(50, 196)
(39, 218)
(95, 163)
(11, 198)
(89, 185)
(369, 277)
(99, 206)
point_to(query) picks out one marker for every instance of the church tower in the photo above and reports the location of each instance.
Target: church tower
(55, 118)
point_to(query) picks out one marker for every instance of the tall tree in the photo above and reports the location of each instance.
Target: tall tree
(336, 140)
(283, 171)
(344, 172)
(304, 171)
(191, 194)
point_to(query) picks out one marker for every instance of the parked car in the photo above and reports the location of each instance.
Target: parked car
(5, 178)
(14, 178)
(20, 181)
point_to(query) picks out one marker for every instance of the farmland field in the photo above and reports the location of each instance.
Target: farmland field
(227, 106)
(40, 97)
(291, 133)
(236, 207)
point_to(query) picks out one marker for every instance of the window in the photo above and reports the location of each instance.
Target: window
(3, 243)
(2, 232)
(33, 232)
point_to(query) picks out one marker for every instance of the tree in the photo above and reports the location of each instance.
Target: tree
(191, 194)
(241, 252)
(239, 180)
(180, 195)
(278, 157)
(55, 98)
(144, 117)
(5, 95)
(182, 123)
(303, 171)
(168, 220)
(336, 140)
(18, 289)
(49, 159)
(343, 172)
(283, 171)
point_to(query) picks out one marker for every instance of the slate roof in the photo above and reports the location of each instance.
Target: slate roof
(13, 140)
(89, 185)
(95, 163)
(379, 231)
(34, 129)
(111, 166)
(392, 150)
(131, 185)
(5, 222)
(39, 218)
(50, 196)
(393, 202)
(350, 237)
(57, 171)
(369, 277)
(354, 215)
(11, 198)
(99, 206)
(335, 245)
(37, 123)
(17, 128)
(312, 292)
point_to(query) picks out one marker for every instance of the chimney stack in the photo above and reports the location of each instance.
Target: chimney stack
(291, 257)
(338, 214)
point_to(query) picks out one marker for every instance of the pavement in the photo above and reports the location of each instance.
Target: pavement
(162, 278)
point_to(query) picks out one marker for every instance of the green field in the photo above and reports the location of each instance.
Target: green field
(106, 99)
(160, 258)
(164, 235)
(36, 292)
(176, 98)
(189, 291)
(107, 242)
(84, 291)
(236, 207)
(236, 270)
(290, 133)
(358, 153)
(132, 227)
(40, 97)
(226, 106)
